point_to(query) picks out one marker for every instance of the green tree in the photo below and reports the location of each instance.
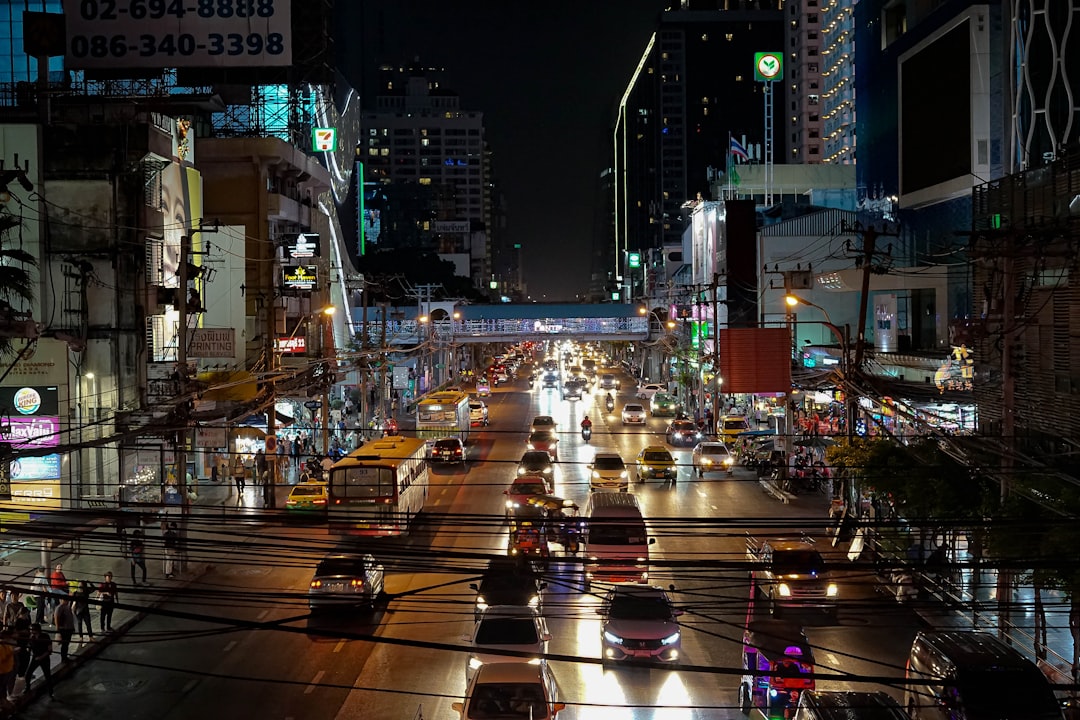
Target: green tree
(16, 280)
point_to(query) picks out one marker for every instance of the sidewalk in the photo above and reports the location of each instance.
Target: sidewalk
(89, 558)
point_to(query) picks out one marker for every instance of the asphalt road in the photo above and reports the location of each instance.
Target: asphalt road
(238, 643)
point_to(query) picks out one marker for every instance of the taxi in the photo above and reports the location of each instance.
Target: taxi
(655, 461)
(731, 426)
(664, 404)
(307, 497)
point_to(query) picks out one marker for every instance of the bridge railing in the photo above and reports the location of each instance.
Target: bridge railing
(404, 332)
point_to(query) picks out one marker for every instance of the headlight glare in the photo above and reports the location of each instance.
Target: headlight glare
(613, 639)
(670, 639)
(832, 590)
(784, 590)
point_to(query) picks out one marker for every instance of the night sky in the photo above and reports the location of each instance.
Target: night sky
(547, 76)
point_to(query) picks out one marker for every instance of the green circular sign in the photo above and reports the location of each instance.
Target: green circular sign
(769, 65)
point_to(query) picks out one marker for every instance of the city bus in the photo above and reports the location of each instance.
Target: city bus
(443, 414)
(379, 488)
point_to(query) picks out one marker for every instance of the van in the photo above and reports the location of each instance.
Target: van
(847, 705)
(975, 676)
(616, 540)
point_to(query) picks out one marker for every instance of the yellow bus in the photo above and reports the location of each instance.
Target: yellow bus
(379, 488)
(443, 414)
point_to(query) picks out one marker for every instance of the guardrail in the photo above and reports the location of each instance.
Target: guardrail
(402, 332)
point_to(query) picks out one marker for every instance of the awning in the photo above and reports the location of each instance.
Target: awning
(259, 420)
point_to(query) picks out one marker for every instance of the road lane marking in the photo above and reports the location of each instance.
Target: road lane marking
(700, 492)
(833, 660)
(314, 682)
(713, 507)
(341, 644)
(262, 616)
(230, 646)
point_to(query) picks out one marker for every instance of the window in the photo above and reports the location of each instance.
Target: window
(812, 99)
(812, 35)
(812, 18)
(815, 133)
(814, 117)
(812, 67)
(812, 51)
(814, 149)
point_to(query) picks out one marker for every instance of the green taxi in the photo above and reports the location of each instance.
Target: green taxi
(664, 404)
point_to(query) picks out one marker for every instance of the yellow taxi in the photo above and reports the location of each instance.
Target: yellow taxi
(731, 426)
(308, 497)
(656, 461)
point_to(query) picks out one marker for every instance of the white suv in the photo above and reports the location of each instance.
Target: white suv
(608, 472)
(646, 392)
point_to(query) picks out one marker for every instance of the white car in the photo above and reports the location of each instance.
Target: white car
(608, 472)
(543, 422)
(506, 627)
(713, 457)
(639, 622)
(511, 690)
(478, 412)
(633, 414)
(646, 392)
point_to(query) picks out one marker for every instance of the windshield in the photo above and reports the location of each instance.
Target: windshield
(608, 463)
(683, 425)
(659, 457)
(788, 562)
(494, 701)
(622, 534)
(340, 567)
(640, 607)
(362, 483)
(541, 437)
(713, 450)
(528, 489)
(301, 490)
(736, 425)
(536, 458)
(446, 444)
(540, 420)
(633, 409)
(507, 631)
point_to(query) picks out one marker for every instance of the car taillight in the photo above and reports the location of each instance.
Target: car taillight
(316, 584)
(356, 583)
(319, 501)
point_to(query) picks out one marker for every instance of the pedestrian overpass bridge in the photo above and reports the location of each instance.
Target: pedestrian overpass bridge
(507, 322)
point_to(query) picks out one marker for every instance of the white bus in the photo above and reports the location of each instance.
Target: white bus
(378, 489)
(443, 414)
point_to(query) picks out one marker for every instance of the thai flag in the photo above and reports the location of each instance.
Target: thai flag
(738, 150)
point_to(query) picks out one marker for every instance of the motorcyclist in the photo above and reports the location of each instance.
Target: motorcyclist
(609, 401)
(586, 424)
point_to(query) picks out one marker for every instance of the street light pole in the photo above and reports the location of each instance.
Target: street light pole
(845, 358)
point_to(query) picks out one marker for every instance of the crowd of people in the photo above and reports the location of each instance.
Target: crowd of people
(52, 600)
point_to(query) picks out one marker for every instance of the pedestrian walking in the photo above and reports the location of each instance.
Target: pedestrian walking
(260, 467)
(8, 650)
(22, 626)
(40, 588)
(109, 593)
(58, 586)
(64, 619)
(172, 546)
(137, 554)
(238, 474)
(40, 657)
(81, 605)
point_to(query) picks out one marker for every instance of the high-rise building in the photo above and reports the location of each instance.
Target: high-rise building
(419, 137)
(692, 90)
(803, 81)
(1044, 59)
(837, 64)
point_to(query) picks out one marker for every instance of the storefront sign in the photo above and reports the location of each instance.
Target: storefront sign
(36, 468)
(302, 245)
(210, 437)
(451, 226)
(299, 277)
(212, 343)
(27, 400)
(291, 345)
(39, 493)
(958, 372)
(27, 432)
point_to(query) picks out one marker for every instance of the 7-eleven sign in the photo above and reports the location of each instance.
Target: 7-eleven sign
(324, 139)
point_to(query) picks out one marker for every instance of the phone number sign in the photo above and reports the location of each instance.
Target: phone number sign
(177, 33)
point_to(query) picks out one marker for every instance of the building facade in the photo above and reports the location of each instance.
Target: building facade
(805, 46)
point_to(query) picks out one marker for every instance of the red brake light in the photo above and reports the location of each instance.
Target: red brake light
(316, 584)
(357, 583)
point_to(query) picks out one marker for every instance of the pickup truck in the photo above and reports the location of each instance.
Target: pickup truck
(790, 573)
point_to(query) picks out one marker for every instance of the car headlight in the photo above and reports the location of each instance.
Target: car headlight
(475, 662)
(534, 601)
(670, 639)
(531, 446)
(642, 560)
(481, 603)
(784, 590)
(521, 471)
(706, 461)
(596, 475)
(832, 590)
(622, 474)
(673, 469)
(613, 639)
(510, 503)
(729, 461)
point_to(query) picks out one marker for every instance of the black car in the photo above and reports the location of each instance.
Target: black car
(683, 432)
(508, 581)
(536, 462)
(449, 450)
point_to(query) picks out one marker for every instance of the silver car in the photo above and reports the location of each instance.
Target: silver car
(506, 627)
(343, 581)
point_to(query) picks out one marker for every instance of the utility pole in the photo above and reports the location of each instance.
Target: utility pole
(869, 242)
(180, 439)
(270, 335)
(717, 379)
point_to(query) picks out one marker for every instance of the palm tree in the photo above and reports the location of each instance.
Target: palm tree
(16, 282)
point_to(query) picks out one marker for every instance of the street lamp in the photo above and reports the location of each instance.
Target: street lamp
(841, 335)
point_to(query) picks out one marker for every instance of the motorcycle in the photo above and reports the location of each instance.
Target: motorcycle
(586, 433)
(609, 403)
(531, 381)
